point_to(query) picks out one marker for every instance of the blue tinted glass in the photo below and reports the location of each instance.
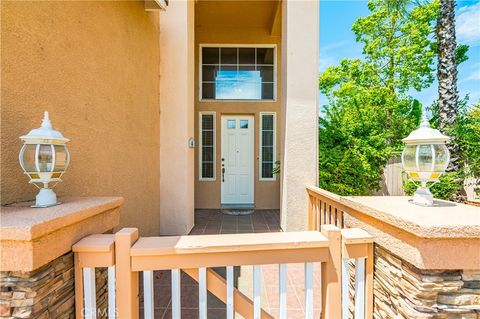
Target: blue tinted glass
(238, 85)
(243, 123)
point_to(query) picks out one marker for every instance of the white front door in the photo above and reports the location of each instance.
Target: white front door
(237, 159)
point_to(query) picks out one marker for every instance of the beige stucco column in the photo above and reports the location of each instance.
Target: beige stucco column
(299, 109)
(176, 118)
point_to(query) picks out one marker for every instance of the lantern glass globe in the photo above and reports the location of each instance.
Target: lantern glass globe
(44, 162)
(424, 158)
(44, 158)
(425, 161)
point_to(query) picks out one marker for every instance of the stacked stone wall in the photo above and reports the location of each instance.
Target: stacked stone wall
(47, 292)
(402, 291)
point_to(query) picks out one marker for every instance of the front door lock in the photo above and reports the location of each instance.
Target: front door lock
(223, 170)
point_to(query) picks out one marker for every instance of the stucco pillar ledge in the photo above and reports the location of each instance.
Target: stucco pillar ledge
(33, 237)
(445, 236)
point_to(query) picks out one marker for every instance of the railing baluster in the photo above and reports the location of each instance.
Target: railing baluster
(257, 282)
(111, 292)
(282, 283)
(324, 213)
(176, 310)
(319, 214)
(318, 211)
(148, 308)
(89, 293)
(308, 290)
(360, 288)
(311, 213)
(202, 293)
(345, 283)
(230, 298)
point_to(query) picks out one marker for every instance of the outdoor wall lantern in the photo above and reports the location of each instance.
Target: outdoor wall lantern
(44, 158)
(424, 158)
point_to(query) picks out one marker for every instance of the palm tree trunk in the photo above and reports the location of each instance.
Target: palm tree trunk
(447, 76)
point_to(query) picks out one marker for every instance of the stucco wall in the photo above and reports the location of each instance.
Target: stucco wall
(300, 109)
(176, 118)
(266, 193)
(95, 67)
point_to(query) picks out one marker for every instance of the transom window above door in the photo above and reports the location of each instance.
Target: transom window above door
(237, 73)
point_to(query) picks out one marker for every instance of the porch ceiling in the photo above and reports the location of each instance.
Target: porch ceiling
(230, 13)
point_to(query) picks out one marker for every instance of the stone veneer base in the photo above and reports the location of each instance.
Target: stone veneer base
(404, 291)
(47, 292)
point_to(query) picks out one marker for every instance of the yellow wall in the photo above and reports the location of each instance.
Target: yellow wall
(207, 193)
(94, 67)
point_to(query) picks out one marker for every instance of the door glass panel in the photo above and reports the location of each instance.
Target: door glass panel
(231, 124)
(243, 123)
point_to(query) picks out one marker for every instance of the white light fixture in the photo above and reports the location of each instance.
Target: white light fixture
(44, 158)
(424, 158)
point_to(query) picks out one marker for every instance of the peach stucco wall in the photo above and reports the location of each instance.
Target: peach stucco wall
(95, 67)
(207, 193)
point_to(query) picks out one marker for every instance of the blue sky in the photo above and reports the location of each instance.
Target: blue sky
(337, 41)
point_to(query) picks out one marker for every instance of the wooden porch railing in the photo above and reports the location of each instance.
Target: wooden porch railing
(126, 254)
(324, 208)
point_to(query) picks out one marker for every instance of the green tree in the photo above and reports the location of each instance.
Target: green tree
(369, 110)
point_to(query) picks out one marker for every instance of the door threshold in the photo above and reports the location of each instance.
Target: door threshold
(237, 206)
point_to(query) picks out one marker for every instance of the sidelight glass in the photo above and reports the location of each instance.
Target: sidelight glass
(207, 146)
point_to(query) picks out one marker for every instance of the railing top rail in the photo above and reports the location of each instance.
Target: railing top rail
(356, 236)
(199, 244)
(319, 191)
(99, 243)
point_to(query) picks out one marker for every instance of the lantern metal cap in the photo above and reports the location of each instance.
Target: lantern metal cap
(45, 133)
(425, 134)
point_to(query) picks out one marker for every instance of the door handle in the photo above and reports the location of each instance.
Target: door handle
(223, 174)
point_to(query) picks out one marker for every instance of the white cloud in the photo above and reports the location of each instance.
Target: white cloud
(468, 24)
(473, 75)
(326, 56)
(325, 61)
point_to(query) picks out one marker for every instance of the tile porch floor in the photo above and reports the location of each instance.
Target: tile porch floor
(214, 222)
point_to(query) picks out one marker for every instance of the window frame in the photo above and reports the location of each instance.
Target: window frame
(200, 146)
(256, 46)
(260, 144)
